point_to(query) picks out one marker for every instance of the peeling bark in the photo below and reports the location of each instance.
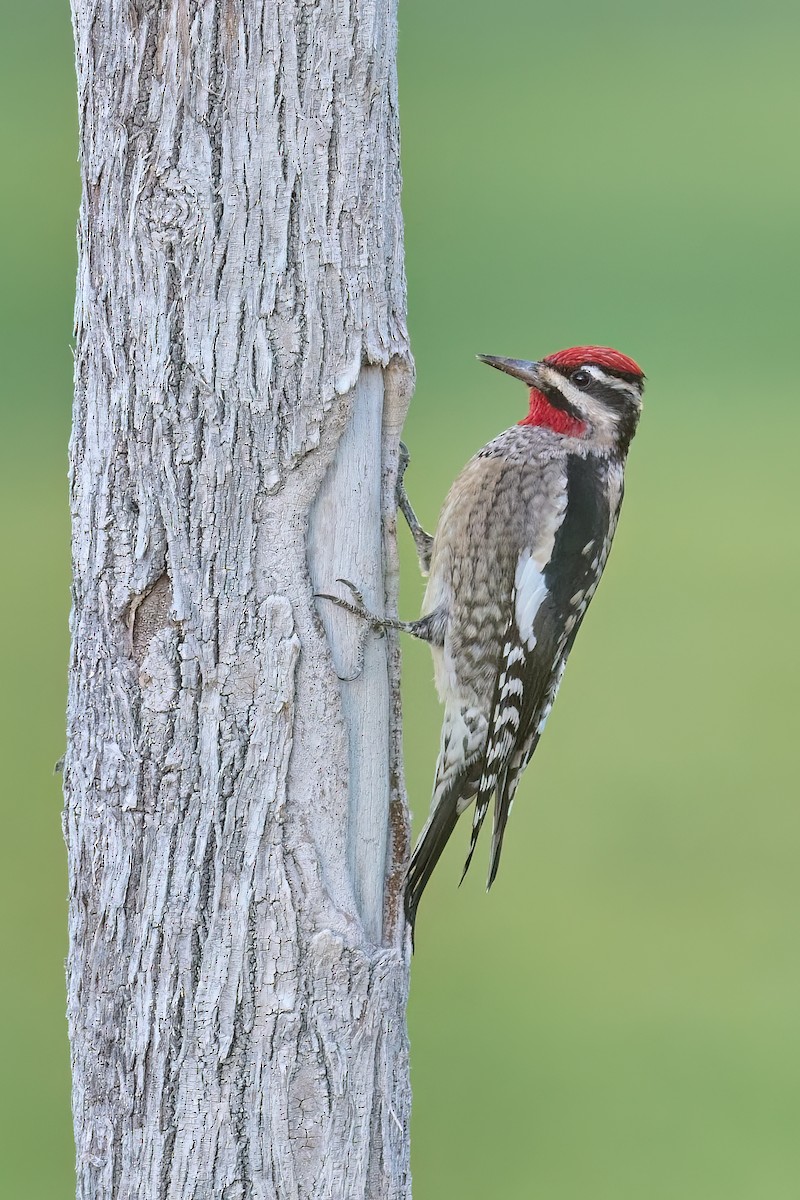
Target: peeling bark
(235, 815)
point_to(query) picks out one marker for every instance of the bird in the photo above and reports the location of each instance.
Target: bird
(519, 548)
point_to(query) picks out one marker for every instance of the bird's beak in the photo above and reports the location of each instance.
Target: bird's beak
(529, 372)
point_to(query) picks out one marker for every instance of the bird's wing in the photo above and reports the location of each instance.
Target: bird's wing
(548, 603)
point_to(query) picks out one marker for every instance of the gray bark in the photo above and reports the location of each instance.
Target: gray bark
(235, 815)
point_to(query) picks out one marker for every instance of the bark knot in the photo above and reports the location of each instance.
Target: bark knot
(150, 615)
(170, 210)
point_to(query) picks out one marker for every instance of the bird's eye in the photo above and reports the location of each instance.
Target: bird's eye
(581, 378)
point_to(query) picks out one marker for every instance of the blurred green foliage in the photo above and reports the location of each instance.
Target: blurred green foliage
(618, 1019)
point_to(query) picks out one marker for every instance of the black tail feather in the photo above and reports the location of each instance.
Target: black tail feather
(428, 851)
(478, 816)
(506, 786)
(503, 796)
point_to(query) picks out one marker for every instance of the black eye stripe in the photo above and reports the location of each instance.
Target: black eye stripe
(611, 395)
(625, 376)
(585, 380)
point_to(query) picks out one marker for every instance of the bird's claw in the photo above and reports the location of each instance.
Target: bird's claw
(359, 609)
(356, 592)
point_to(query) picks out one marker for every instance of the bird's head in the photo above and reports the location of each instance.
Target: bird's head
(587, 391)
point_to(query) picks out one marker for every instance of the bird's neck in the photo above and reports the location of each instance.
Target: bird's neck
(541, 412)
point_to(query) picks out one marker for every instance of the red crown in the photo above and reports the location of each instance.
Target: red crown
(601, 356)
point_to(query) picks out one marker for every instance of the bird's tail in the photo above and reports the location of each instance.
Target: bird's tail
(457, 778)
(427, 852)
(503, 800)
(502, 783)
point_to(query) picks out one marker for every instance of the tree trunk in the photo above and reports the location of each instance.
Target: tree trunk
(235, 814)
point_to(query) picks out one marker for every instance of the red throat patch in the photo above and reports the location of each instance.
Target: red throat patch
(543, 413)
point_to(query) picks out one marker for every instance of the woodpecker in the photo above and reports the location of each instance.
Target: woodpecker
(521, 543)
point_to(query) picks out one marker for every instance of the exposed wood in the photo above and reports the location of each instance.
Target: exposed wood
(235, 814)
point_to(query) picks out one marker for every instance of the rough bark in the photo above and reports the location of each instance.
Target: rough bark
(235, 816)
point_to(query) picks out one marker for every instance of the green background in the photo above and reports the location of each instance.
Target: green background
(619, 1018)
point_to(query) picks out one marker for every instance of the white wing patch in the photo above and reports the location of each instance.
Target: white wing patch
(530, 590)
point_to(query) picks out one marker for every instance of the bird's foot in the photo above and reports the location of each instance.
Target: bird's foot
(422, 540)
(403, 459)
(359, 609)
(374, 623)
